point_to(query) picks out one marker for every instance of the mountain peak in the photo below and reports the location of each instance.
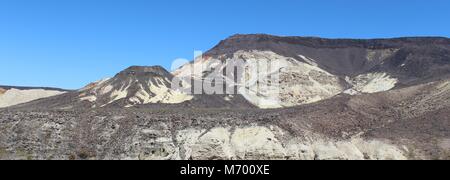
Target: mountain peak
(241, 36)
(286, 44)
(145, 70)
(135, 85)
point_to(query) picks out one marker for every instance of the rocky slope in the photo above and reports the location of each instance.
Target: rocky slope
(123, 137)
(407, 123)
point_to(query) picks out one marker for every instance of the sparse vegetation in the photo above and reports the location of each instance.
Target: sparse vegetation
(72, 157)
(84, 154)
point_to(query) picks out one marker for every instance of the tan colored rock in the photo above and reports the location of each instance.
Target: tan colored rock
(2, 91)
(15, 96)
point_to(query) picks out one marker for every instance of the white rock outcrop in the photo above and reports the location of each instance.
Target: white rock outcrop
(15, 96)
(262, 143)
(299, 82)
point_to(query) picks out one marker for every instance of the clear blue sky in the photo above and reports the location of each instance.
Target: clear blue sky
(69, 43)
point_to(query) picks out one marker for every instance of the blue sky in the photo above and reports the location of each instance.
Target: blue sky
(69, 43)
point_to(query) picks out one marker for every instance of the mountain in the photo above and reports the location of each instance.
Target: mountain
(133, 86)
(310, 70)
(314, 69)
(10, 95)
(138, 87)
(333, 99)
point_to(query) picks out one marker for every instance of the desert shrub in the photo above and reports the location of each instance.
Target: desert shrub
(84, 154)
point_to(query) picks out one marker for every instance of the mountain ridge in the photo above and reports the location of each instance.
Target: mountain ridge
(391, 101)
(366, 65)
(32, 87)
